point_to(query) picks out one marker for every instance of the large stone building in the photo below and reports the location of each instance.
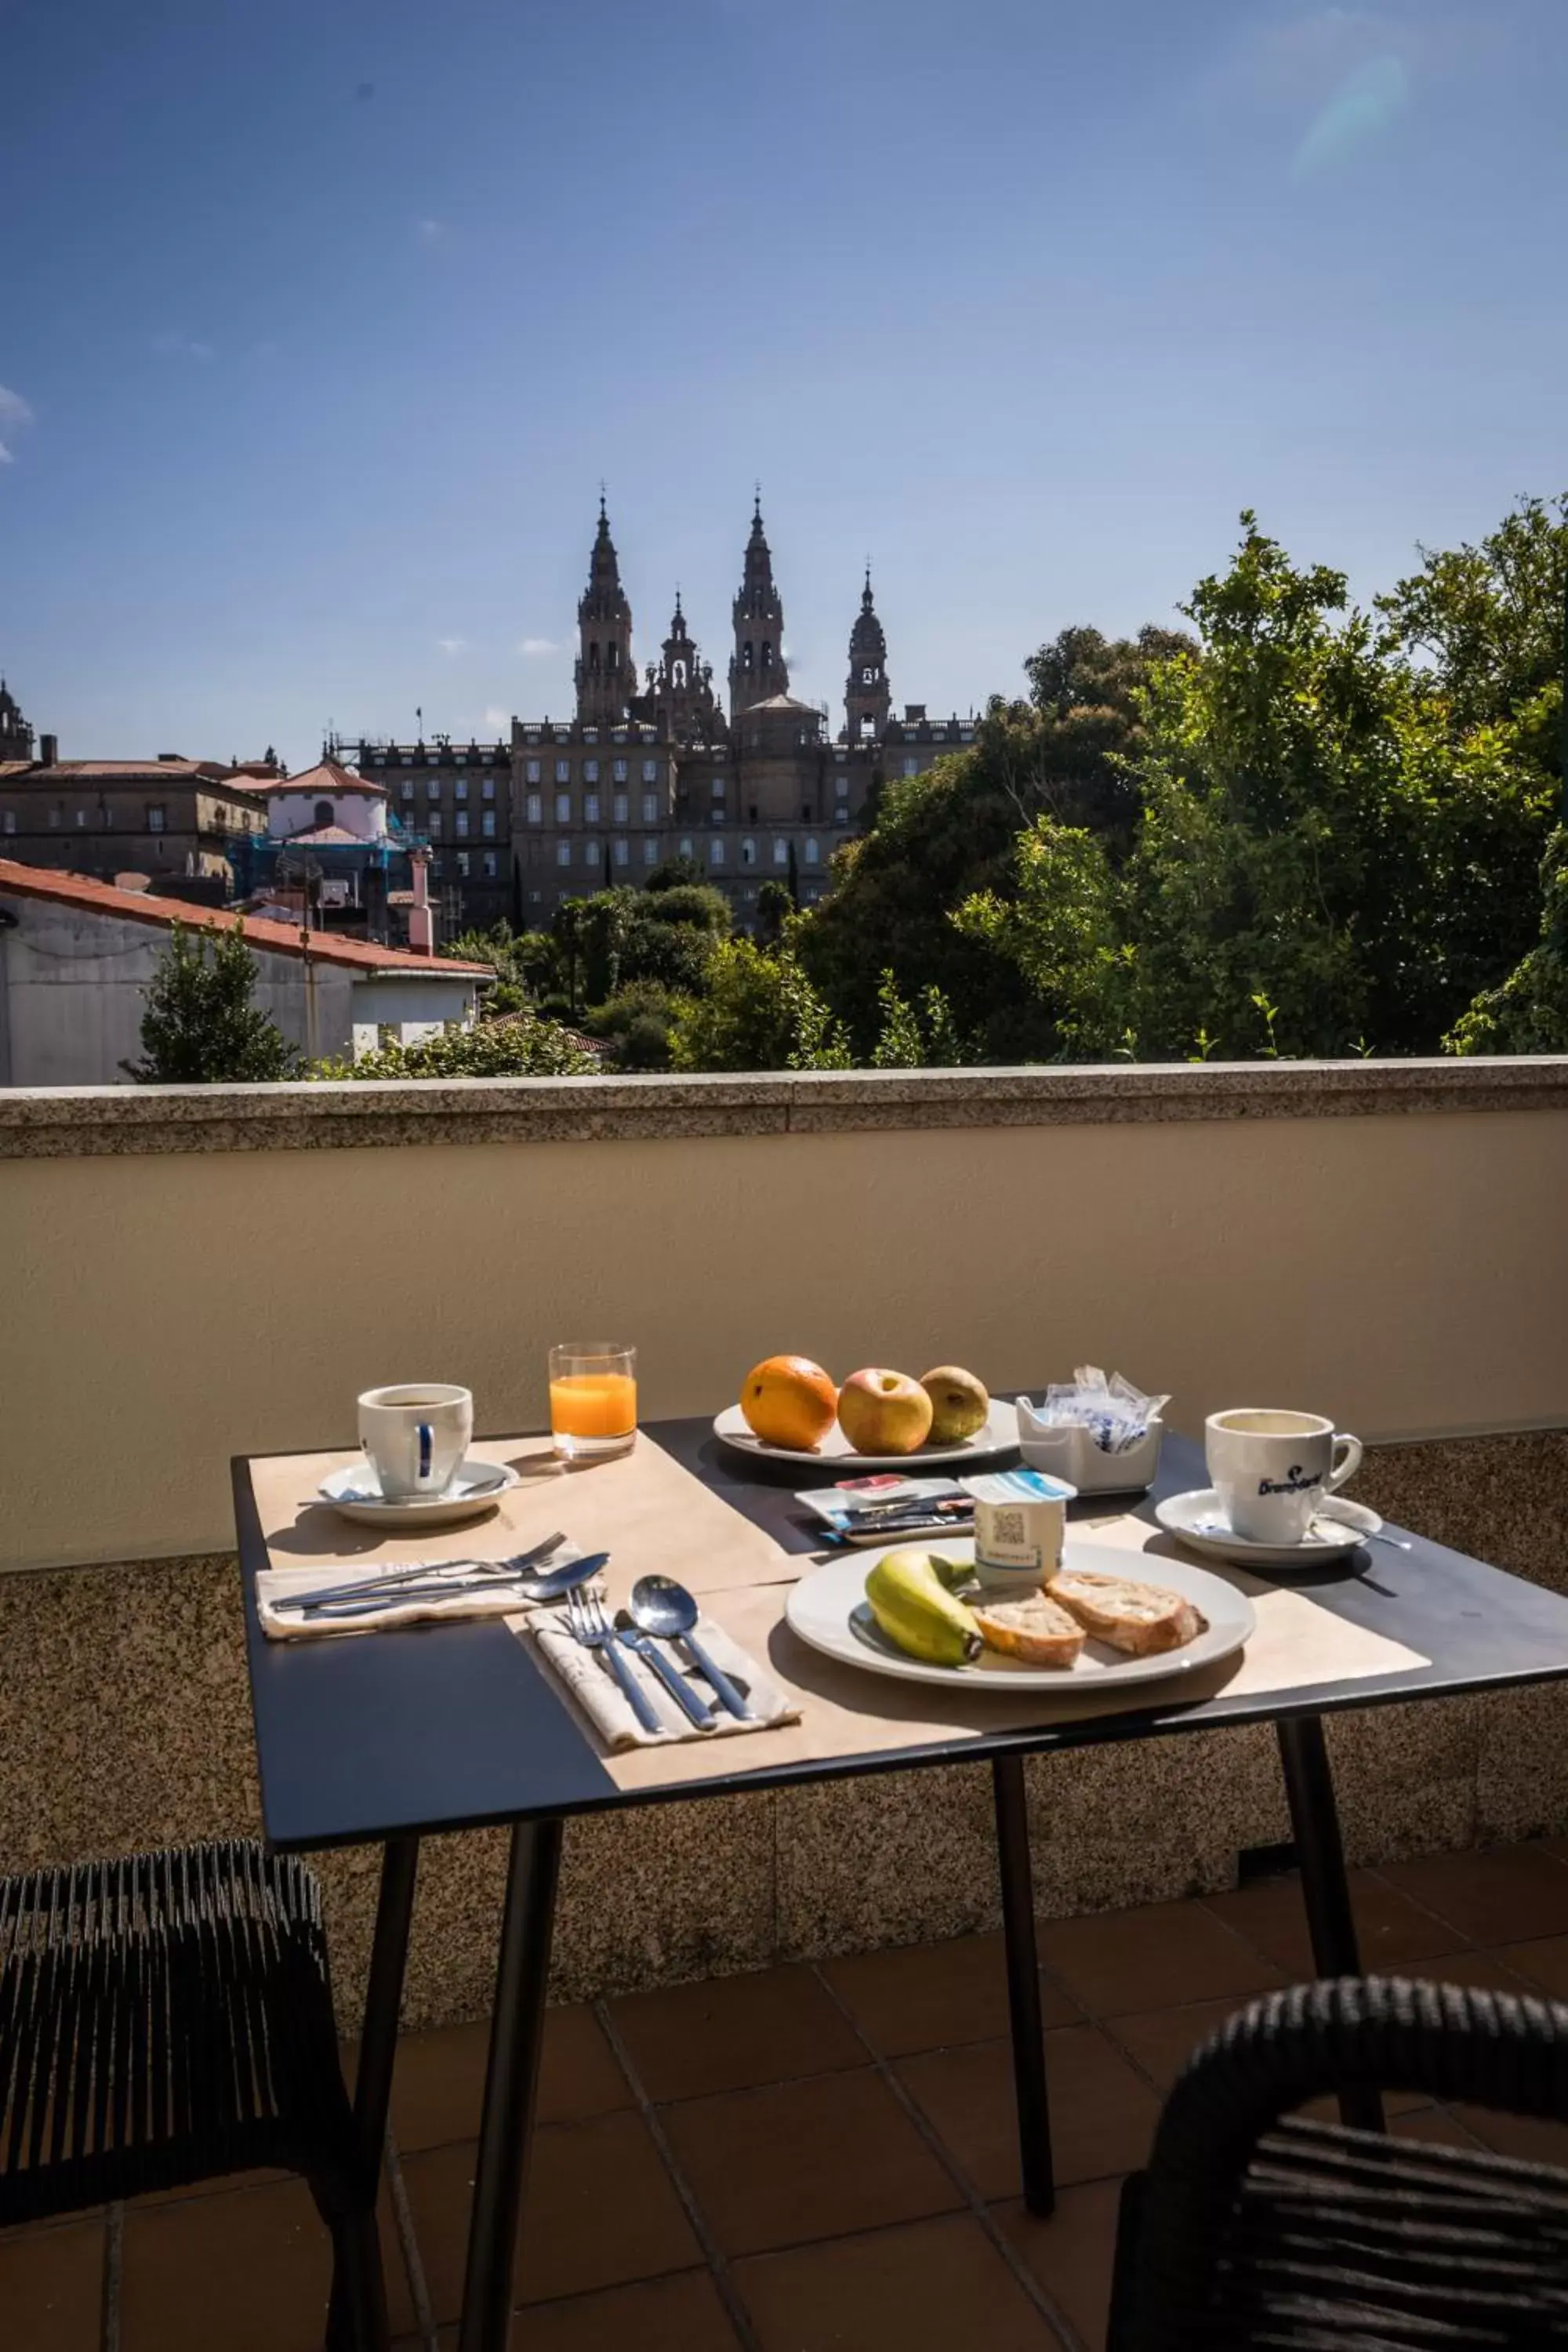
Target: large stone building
(651, 770)
(456, 800)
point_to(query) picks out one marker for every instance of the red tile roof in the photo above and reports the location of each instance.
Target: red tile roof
(325, 778)
(110, 772)
(278, 939)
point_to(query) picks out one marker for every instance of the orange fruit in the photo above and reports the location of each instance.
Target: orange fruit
(789, 1401)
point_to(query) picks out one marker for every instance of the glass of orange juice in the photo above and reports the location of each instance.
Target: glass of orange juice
(593, 1400)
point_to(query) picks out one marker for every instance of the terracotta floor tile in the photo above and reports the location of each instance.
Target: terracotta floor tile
(1102, 2114)
(51, 2288)
(249, 2271)
(1393, 1931)
(680, 2313)
(931, 2288)
(600, 2210)
(804, 2160)
(1542, 1963)
(1072, 2253)
(1161, 2040)
(1511, 1896)
(1167, 1952)
(438, 2085)
(733, 2033)
(931, 1996)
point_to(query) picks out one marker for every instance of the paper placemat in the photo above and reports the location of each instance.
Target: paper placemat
(643, 1506)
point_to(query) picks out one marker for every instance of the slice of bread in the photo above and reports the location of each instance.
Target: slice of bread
(1142, 1619)
(1034, 1630)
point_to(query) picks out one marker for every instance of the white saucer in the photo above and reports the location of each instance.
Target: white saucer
(475, 1486)
(1198, 1521)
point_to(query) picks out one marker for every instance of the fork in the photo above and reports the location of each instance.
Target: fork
(376, 1588)
(591, 1627)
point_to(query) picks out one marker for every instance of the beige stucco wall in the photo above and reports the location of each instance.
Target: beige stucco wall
(1404, 1273)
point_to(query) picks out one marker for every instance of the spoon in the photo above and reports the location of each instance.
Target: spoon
(660, 1606)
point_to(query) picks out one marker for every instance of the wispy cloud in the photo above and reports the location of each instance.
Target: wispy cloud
(1364, 103)
(430, 233)
(453, 645)
(14, 413)
(497, 722)
(173, 344)
(535, 646)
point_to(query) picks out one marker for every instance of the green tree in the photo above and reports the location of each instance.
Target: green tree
(936, 840)
(1529, 1012)
(637, 1022)
(760, 1013)
(775, 909)
(521, 1047)
(200, 1026)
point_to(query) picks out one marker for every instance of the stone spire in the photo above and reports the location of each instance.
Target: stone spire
(757, 665)
(868, 698)
(606, 678)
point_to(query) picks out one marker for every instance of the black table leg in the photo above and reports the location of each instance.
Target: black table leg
(512, 2075)
(1330, 1922)
(357, 2314)
(1024, 1983)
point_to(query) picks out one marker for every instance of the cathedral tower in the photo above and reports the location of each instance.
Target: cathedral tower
(605, 679)
(16, 735)
(757, 666)
(868, 698)
(681, 690)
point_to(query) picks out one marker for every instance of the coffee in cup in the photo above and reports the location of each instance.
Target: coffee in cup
(415, 1436)
(1271, 1470)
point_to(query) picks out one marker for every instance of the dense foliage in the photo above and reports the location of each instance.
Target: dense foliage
(521, 1046)
(200, 1026)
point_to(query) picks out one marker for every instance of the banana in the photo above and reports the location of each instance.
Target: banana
(908, 1591)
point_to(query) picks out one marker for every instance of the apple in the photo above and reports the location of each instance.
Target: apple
(884, 1413)
(959, 1403)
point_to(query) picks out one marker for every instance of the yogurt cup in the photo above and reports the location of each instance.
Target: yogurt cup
(1020, 1521)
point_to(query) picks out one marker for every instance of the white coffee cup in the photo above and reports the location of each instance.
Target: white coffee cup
(1271, 1470)
(416, 1435)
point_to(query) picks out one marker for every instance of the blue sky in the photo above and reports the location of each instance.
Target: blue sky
(319, 325)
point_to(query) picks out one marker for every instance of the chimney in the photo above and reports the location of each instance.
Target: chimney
(48, 750)
(421, 915)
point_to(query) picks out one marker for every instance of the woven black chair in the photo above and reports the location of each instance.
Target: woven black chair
(167, 2018)
(1249, 2230)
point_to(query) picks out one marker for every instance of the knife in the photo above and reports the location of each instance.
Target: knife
(560, 1580)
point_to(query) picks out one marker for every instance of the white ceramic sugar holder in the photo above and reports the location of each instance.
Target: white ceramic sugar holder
(1070, 1452)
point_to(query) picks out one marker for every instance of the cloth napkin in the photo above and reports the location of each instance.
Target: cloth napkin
(477, 1597)
(594, 1687)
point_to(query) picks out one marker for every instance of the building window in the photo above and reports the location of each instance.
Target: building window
(911, 767)
(562, 771)
(618, 771)
(590, 807)
(408, 788)
(716, 851)
(593, 852)
(463, 864)
(157, 817)
(488, 823)
(650, 772)
(488, 789)
(590, 771)
(811, 851)
(562, 808)
(490, 864)
(868, 678)
(460, 788)
(434, 824)
(82, 817)
(432, 788)
(622, 850)
(563, 852)
(462, 824)
(781, 850)
(531, 772)
(55, 818)
(748, 851)
(717, 788)
(650, 849)
(686, 845)
(618, 808)
(651, 808)
(9, 821)
(535, 808)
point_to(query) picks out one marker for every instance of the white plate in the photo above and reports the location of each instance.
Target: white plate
(829, 1610)
(1197, 1519)
(476, 1486)
(999, 1435)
